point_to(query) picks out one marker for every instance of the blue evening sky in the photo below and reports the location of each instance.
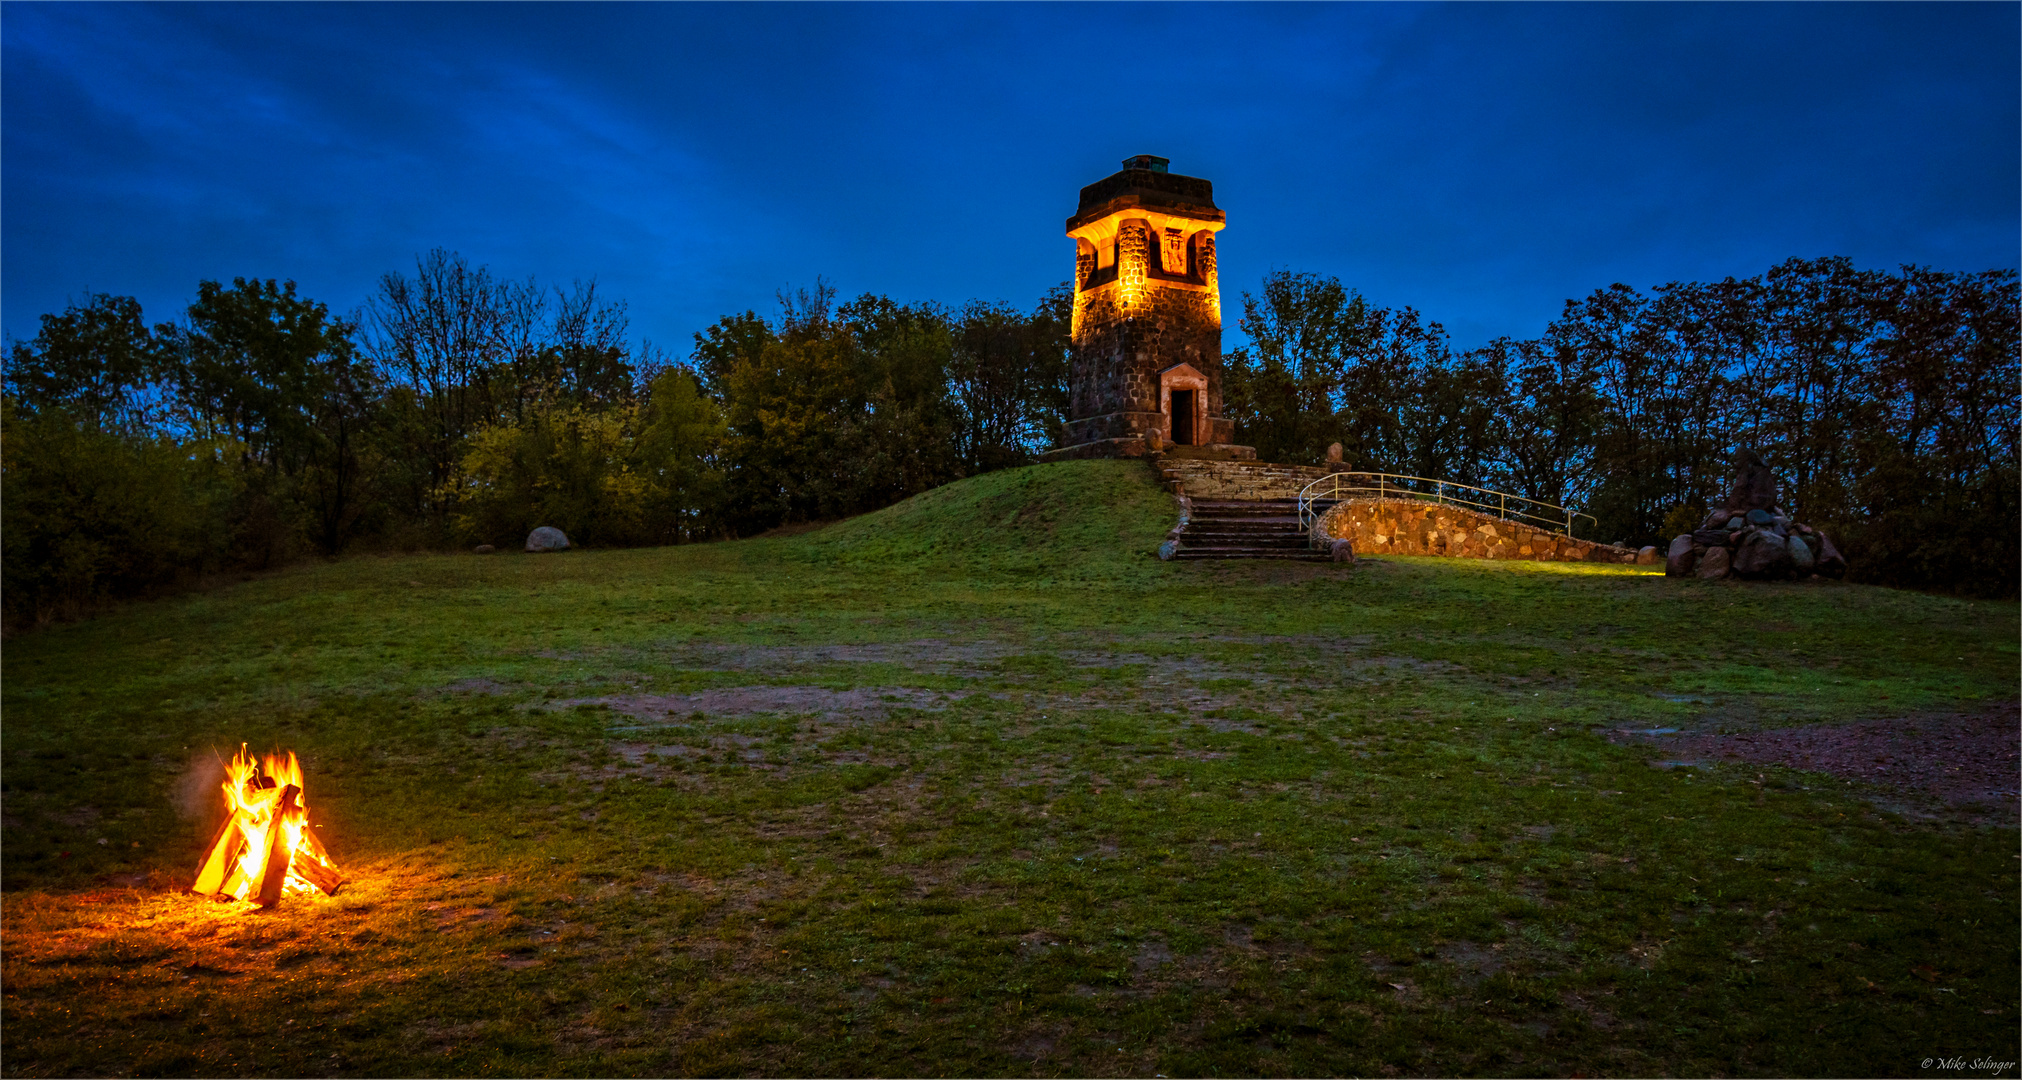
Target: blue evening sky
(1480, 162)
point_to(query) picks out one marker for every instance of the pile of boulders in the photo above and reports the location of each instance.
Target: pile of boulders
(1752, 537)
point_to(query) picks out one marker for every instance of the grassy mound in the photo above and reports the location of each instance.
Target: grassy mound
(975, 785)
(1076, 519)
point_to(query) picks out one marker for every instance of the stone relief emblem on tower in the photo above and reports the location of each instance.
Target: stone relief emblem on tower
(1173, 251)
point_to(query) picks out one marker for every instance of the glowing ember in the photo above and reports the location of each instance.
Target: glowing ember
(265, 848)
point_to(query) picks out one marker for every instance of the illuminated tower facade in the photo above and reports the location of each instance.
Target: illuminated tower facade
(1147, 332)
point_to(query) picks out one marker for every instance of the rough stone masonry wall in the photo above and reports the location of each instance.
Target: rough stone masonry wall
(1118, 360)
(1412, 527)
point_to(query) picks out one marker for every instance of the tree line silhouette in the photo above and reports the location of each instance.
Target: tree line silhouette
(1886, 403)
(460, 407)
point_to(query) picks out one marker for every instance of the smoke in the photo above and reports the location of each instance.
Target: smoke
(196, 796)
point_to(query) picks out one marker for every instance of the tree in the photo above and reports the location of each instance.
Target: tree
(1818, 325)
(251, 363)
(97, 362)
(267, 369)
(1456, 417)
(477, 350)
(1007, 376)
(1292, 391)
(1698, 335)
(833, 411)
(441, 334)
(1933, 495)
(734, 340)
(563, 465)
(95, 513)
(1551, 422)
(898, 437)
(785, 409)
(680, 444)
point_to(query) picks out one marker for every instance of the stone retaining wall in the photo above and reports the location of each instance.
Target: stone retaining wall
(1414, 527)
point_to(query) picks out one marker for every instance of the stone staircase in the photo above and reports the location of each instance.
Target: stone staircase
(1245, 529)
(1201, 478)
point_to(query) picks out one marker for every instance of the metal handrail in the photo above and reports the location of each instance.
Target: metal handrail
(1397, 485)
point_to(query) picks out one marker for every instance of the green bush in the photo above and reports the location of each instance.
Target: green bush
(621, 475)
(564, 467)
(95, 514)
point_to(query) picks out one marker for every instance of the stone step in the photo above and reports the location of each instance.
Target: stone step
(1219, 514)
(1238, 545)
(1282, 554)
(1244, 518)
(1234, 528)
(1197, 529)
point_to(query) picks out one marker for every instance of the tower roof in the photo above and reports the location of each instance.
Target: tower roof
(1145, 182)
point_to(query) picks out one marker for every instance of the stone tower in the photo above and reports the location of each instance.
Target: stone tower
(1147, 333)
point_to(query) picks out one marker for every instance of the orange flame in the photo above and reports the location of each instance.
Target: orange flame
(265, 848)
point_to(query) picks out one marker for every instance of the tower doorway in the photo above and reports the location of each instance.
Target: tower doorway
(1183, 417)
(1183, 392)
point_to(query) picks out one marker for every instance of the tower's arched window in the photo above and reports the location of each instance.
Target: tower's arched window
(1102, 263)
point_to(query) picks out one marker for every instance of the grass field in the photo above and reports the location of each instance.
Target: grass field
(976, 786)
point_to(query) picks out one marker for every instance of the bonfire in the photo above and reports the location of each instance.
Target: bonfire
(266, 848)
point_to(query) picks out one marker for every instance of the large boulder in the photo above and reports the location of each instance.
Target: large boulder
(547, 538)
(1762, 554)
(1829, 562)
(1713, 564)
(1800, 555)
(1647, 555)
(1754, 485)
(1678, 560)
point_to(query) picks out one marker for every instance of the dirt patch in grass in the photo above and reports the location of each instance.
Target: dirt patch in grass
(931, 655)
(1960, 760)
(866, 703)
(478, 685)
(975, 659)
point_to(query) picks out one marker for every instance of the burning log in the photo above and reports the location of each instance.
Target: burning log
(327, 878)
(280, 854)
(265, 849)
(218, 860)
